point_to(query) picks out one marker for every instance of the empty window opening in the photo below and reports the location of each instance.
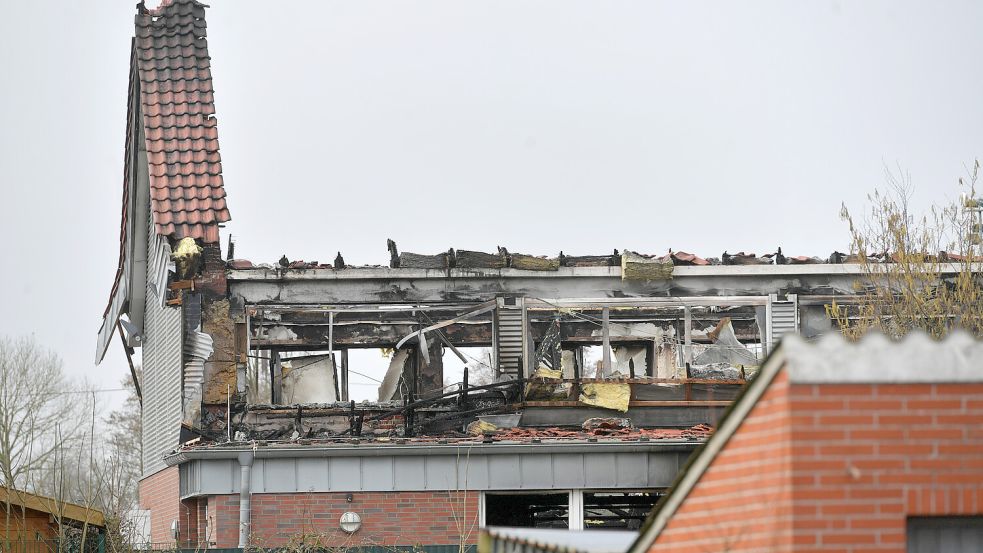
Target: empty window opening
(549, 510)
(593, 356)
(367, 369)
(478, 361)
(945, 534)
(618, 510)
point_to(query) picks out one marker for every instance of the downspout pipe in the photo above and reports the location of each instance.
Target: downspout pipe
(245, 494)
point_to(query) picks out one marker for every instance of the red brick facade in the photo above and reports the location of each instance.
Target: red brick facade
(159, 493)
(388, 518)
(837, 468)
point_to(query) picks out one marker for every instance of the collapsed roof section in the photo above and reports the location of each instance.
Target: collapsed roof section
(172, 176)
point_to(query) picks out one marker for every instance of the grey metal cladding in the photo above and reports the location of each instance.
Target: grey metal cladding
(568, 471)
(504, 472)
(312, 474)
(162, 371)
(345, 473)
(601, 469)
(410, 473)
(536, 470)
(283, 472)
(466, 470)
(631, 470)
(380, 469)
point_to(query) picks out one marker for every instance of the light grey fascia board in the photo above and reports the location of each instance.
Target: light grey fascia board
(391, 451)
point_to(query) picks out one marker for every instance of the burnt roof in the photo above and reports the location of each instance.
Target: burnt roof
(174, 80)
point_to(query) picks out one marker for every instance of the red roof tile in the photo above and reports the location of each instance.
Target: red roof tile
(170, 70)
(170, 52)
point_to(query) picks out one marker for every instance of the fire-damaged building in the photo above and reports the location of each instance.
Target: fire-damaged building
(588, 379)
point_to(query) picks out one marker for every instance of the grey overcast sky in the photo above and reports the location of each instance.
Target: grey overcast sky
(539, 126)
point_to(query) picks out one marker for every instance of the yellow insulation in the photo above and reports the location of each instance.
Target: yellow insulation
(607, 395)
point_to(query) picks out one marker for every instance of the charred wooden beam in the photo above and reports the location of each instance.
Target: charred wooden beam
(473, 333)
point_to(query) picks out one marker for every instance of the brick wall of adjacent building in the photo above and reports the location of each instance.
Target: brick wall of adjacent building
(863, 458)
(742, 503)
(388, 518)
(868, 456)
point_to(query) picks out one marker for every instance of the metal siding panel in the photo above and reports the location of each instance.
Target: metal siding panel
(632, 470)
(473, 472)
(568, 470)
(312, 474)
(662, 469)
(410, 473)
(280, 475)
(377, 474)
(600, 470)
(162, 370)
(216, 476)
(441, 472)
(257, 476)
(536, 471)
(509, 471)
(504, 472)
(345, 474)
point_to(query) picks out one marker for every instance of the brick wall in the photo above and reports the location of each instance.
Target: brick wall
(871, 455)
(742, 503)
(160, 494)
(850, 462)
(388, 518)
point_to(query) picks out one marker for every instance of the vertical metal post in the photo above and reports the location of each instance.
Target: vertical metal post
(277, 383)
(331, 335)
(344, 375)
(687, 337)
(575, 510)
(463, 398)
(606, 329)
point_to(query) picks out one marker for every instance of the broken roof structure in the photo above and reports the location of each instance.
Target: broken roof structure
(246, 366)
(171, 160)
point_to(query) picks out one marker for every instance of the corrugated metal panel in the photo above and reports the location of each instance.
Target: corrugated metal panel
(440, 472)
(510, 330)
(160, 261)
(162, 370)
